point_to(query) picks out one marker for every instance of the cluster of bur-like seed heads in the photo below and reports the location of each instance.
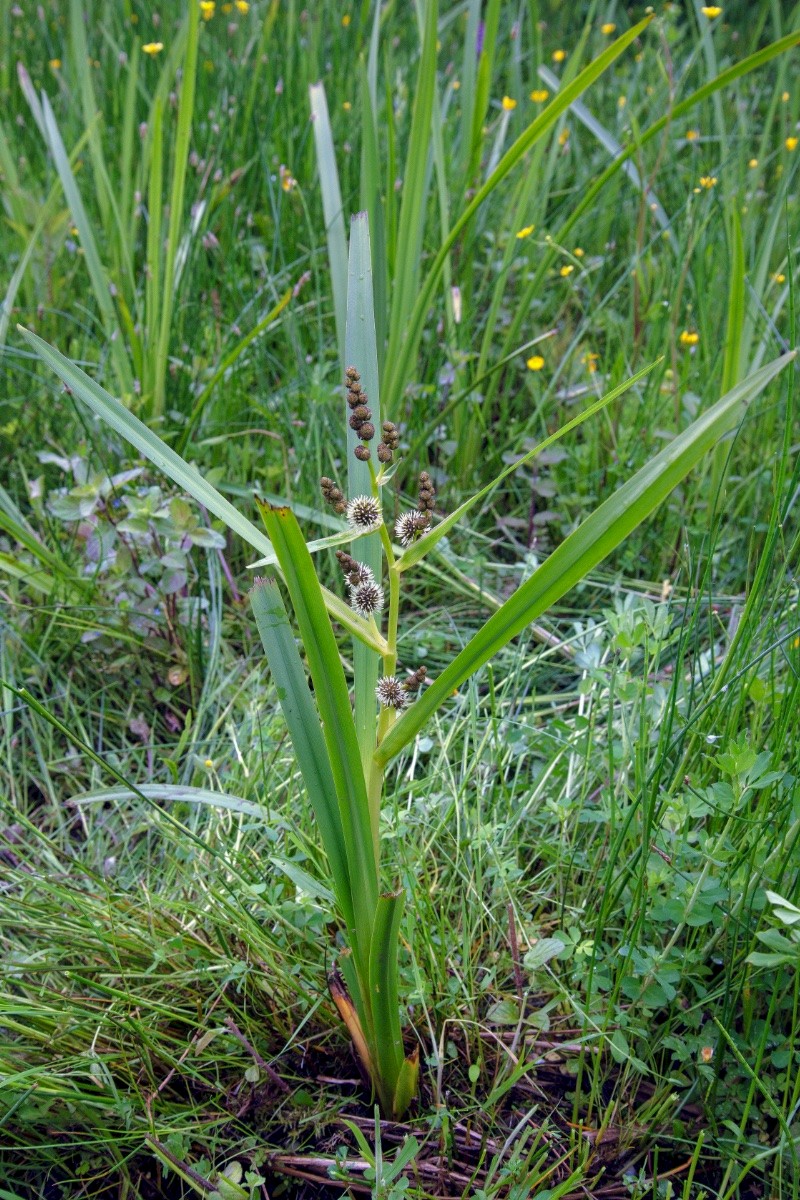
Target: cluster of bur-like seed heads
(333, 494)
(391, 440)
(427, 493)
(360, 412)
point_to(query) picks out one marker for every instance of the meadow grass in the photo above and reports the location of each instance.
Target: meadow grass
(621, 783)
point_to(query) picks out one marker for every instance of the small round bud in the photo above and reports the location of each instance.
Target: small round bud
(362, 453)
(384, 453)
(361, 413)
(367, 431)
(351, 374)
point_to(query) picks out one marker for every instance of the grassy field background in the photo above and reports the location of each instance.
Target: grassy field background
(605, 1002)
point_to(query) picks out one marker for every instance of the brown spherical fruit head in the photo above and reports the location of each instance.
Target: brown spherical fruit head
(355, 422)
(361, 413)
(367, 431)
(362, 453)
(352, 373)
(384, 453)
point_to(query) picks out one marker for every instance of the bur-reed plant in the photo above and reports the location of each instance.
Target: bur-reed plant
(347, 736)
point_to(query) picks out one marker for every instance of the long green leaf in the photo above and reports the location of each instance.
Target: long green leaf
(332, 209)
(333, 701)
(404, 340)
(418, 550)
(178, 470)
(302, 720)
(384, 1002)
(591, 542)
(361, 352)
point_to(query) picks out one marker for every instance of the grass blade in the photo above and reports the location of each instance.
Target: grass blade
(179, 165)
(384, 1000)
(404, 340)
(97, 274)
(595, 538)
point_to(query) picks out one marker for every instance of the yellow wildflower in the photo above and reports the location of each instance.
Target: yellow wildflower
(708, 181)
(791, 143)
(692, 135)
(346, 19)
(526, 232)
(456, 84)
(242, 6)
(288, 181)
(209, 764)
(207, 9)
(559, 55)
(508, 104)
(689, 338)
(227, 8)
(753, 163)
(346, 105)
(152, 47)
(784, 96)
(563, 137)
(566, 270)
(590, 361)
(578, 252)
(608, 28)
(535, 363)
(711, 11)
(622, 101)
(539, 95)
(55, 63)
(779, 277)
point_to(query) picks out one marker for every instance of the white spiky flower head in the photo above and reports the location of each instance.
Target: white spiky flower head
(410, 525)
(391, 693)
(364, 513)
(367, 598)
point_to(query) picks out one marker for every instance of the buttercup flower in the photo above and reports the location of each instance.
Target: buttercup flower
(508, 104)
(753, 163)
(539, 95)
(207, 9)
(708, 181)
(791, 143)
(535, 362)
(566, 270)
(526, 232)
(711, 11)
(152, 47)
(55, 63)
(364, 512)
(608, 28)
(689, 338)
(346, 19)
(559, 56)
(242, 6)
(692, 135)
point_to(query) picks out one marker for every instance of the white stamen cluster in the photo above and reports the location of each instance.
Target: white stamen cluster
(361, 574)
(363, 513)
(391, 693)
(367, 598)
(409, 526)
